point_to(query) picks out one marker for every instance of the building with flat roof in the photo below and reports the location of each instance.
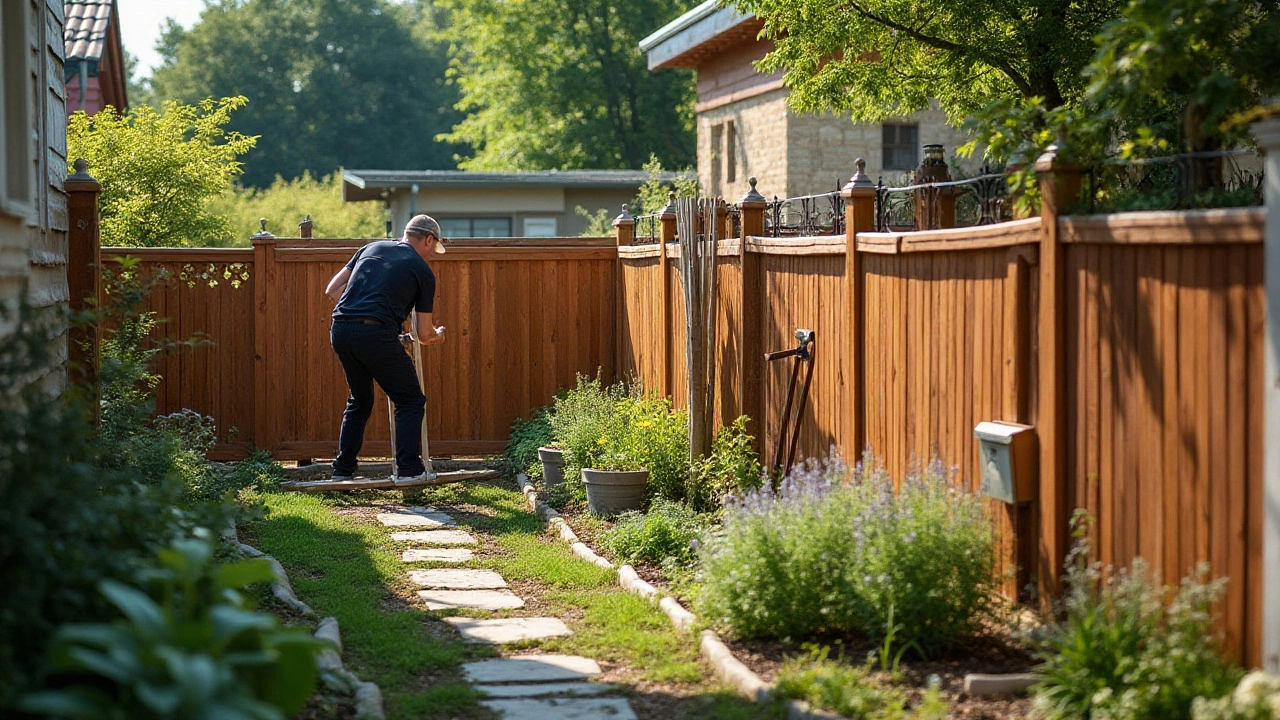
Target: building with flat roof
(745, 127)
(497, 204)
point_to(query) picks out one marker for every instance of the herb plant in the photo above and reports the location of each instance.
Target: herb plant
(667, 533)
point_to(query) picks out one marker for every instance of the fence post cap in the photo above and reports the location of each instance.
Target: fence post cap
(860, 183)
(262, 234)
(1052, 161)
(624, 218)
(669, 212)
(753, 196)
(81, 179)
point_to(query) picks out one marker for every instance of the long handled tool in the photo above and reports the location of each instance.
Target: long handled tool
(803, 353)
(418, 371)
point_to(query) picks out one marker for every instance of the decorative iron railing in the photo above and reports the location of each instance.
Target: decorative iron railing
(979, 200)
(821, 214)
(1175, 182)
(648, 229)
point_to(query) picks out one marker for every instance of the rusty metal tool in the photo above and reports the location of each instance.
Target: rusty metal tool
(803, 354)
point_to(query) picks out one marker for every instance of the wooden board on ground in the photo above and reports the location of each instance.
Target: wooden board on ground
(385, 483)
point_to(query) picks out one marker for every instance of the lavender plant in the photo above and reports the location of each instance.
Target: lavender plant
(835, 549)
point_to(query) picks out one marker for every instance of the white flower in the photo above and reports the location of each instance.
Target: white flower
(1254, 688)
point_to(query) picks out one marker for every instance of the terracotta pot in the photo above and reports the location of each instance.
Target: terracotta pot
(552, 466)
(610, 492)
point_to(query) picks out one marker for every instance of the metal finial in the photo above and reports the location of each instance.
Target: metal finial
(753, 195)
(670, 209)
(262, 234)
(624, 218)
(262, 223)
(80, 165)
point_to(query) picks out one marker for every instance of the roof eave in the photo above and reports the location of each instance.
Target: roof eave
(672, 45)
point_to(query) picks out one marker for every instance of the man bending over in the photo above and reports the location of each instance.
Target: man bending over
(382, 284)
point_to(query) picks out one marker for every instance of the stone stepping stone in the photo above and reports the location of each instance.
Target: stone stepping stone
(531, 668)
(435, 537)
(470, 599)
(415, 517)
(507, 630)
(541, 689)
(457, 579)
(452, 555)
(562, 709)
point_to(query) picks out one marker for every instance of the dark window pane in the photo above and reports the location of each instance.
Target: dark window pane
(900, 146)
(491, 227)
(455, 227)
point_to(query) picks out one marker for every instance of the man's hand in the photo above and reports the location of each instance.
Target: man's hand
(435, 338)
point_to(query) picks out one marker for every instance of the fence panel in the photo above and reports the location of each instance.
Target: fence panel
(208, 294)
(1165, 381)
(640, 316)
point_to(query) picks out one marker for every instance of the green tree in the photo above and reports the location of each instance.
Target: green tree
(159, 168)
(331, 83)
(877, 59)
(555, 84)
(286, 202)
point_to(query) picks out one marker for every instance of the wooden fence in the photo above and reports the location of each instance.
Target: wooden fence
(522, 320)
(1133, 343)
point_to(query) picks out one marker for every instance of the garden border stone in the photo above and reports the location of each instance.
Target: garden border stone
(366, 696)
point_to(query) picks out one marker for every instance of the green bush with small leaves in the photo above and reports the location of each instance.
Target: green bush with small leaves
(663, 535)
(853, 691)
(732, 469)
(526, 437)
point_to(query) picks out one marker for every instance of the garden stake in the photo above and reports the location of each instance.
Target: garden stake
(803, 353)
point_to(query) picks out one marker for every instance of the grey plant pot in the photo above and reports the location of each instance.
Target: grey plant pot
(610, 492)
(552, 466)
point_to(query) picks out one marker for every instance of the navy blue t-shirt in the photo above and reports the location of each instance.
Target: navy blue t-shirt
(388, 280)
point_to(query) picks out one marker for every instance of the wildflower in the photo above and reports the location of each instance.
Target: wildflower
(602, 441)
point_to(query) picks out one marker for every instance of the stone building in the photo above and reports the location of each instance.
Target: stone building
(745, 128)
(33, 163)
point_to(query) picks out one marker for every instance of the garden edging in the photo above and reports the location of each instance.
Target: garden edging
(727, 667)
(367, 695)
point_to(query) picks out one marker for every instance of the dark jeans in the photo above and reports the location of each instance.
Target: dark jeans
(373, 353)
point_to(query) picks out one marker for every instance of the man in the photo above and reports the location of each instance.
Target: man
(385, 282)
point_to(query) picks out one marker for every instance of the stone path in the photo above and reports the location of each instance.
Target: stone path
(520, 687)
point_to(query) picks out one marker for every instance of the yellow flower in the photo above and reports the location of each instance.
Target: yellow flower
(602, 441)
(644, 424)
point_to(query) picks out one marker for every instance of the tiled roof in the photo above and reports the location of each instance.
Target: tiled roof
(85, 33)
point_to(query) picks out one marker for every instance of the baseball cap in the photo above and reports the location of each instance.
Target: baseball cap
(426, 225)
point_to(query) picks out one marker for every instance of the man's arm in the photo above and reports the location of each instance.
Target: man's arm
(423, 320)
(338, 284)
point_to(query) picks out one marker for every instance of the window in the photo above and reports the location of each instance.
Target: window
(730, 152)
(540, 227)
(489, 227)
(15, 116)
(899, 144)
(717, 140)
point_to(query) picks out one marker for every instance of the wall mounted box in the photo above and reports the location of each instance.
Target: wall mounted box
(1008, 459)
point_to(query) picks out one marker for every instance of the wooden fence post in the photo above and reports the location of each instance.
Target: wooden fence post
(1059, 187)
(750, 306)
(84, 270)
(624, 228)
(1268, 136)
(859, 216)
(266, 433)
(666, 235)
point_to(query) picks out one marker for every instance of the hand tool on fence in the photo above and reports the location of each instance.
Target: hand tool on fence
(803, 354)
(394, 482)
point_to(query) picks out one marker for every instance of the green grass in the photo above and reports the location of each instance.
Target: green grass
(350, 568)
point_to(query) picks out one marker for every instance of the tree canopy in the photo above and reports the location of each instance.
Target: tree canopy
(330, 83)
(159, 168)
(562, 84)
(877, 59)
(285, 202)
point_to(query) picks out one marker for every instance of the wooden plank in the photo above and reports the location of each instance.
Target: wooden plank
(457, 255)
(315, 486)
(162, 255)
(1173, 227)
(1236, 448)
(980, 237)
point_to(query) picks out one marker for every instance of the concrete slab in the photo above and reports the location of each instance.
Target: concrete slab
(470, 599)
(576, 689)
(563, 709)
(506, 630)
(457, 579)
(452, 555)
(531, 668)
(435, 537)
(409, 519)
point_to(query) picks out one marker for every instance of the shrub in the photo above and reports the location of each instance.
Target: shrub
(526, 437)
(649, 434)
(732, 469)
(663, 535)
(186, 645)
(1257, 697)
(286, 202)
(839, 551)
(1129, 647)
(581, 418)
